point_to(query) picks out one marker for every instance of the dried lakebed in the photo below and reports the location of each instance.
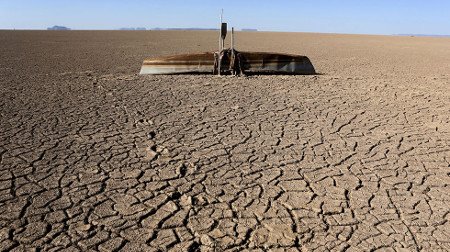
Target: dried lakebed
(108, 162)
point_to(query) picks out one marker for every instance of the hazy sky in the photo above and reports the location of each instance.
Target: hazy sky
(335, 16)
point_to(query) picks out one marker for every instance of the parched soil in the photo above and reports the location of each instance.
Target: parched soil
(96, 157)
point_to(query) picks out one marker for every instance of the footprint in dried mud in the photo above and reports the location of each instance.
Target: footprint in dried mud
(143, 122)
(151, 153)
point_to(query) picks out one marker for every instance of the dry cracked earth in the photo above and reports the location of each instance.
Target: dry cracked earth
(95, 157)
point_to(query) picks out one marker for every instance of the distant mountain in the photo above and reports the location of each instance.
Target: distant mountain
(423, 35)
(249, 30)
(184, 29)
(175, 29)
(58, 28)
(133, 29)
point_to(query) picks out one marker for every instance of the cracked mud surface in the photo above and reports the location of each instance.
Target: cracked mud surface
(96, 157)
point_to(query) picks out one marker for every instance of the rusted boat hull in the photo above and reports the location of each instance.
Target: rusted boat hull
(179, 64)
(251, 62)
(276, 63)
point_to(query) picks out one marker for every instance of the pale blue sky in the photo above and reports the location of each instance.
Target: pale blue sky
(334, 16)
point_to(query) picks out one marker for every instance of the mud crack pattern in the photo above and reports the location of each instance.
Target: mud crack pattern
(203, 163)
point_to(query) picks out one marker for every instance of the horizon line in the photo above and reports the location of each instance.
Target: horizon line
(129, 29)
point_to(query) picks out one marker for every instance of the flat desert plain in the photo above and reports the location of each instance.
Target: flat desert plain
(96, 157)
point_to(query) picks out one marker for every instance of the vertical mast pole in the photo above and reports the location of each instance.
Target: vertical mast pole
(220, 33)
(232, 38)
(221, 21)
(220, 43)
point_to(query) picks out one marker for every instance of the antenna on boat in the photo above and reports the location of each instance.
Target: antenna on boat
(220, 34)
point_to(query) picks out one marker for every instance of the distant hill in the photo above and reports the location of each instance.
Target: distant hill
(423, 35)
(178, 29)
(58, 28)
(133, 29)
(184, 29)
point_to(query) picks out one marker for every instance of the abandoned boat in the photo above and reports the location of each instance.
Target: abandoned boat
(229, 61)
